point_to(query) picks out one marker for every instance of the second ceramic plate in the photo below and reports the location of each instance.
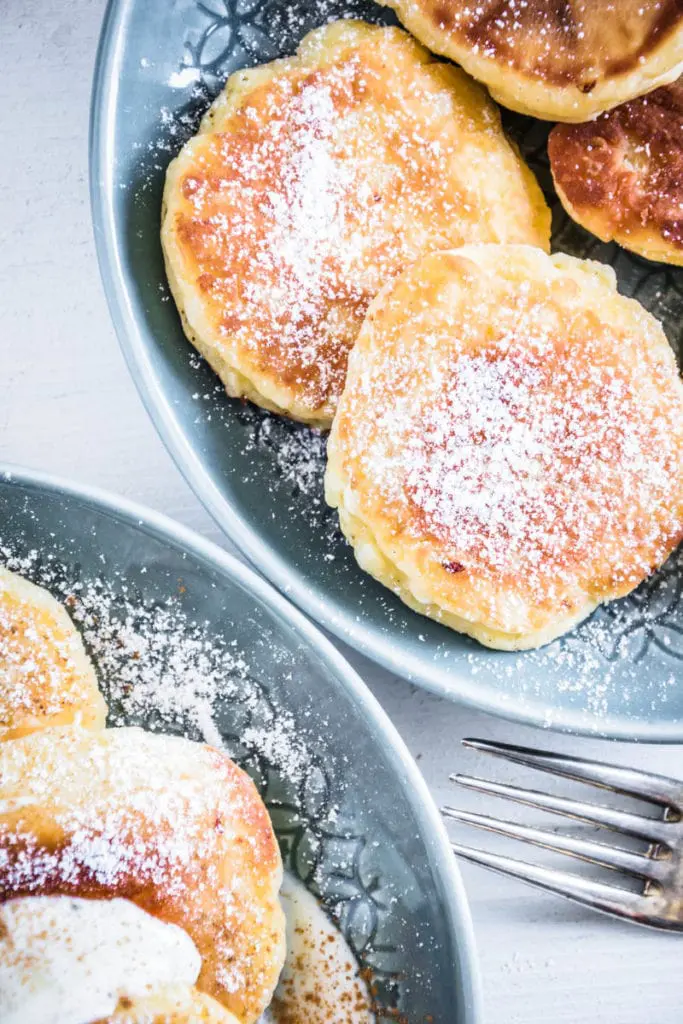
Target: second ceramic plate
(186, 639)
(620, 675)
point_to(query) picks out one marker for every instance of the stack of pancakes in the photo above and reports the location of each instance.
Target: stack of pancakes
(139, 873)
(352, 241)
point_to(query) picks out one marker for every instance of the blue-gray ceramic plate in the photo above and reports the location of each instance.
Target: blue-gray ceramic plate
(164, 613)
(159, 63)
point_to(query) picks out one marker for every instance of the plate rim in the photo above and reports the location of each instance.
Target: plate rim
(262, 556)
(435, 836)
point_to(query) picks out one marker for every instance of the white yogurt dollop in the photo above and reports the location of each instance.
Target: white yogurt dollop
(69, 961)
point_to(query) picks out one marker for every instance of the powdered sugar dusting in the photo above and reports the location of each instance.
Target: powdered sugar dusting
(524, 467)
(308, 212)
(298, 453)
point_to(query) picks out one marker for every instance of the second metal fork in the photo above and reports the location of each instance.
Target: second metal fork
(658, 901)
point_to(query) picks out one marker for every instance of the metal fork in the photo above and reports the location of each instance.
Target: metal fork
(659, 899)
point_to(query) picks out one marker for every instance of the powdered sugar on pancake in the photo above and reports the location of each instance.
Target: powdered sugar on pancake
(280, 203)
(526, 466)
(308, 212)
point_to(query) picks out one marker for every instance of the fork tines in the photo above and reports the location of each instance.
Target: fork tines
(658, 903)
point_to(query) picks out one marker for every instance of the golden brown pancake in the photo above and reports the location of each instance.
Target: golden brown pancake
(621, 176)
(564, 60)
(174, 826)
(313, 181)
(46, 678)
(508, 449)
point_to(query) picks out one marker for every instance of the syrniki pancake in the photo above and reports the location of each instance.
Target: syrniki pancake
(508, 450)
(621, 176)
(46, 677)
(313, 181)
(172, 825)
(564, 60)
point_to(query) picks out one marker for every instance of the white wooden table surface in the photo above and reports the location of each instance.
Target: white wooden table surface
(67, 405)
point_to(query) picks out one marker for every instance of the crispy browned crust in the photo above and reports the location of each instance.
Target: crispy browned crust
(562, 42)
(621, 176)
(563, 60)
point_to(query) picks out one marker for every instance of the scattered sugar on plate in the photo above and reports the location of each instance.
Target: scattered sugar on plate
(157, 666)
